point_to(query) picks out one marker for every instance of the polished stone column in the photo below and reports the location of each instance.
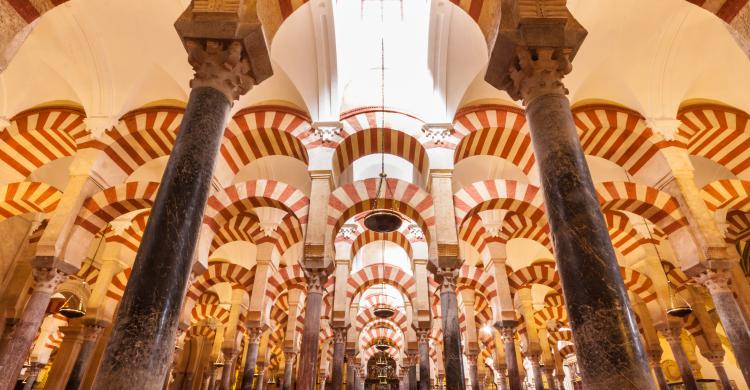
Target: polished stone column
(150, 307)
(717, 359)
(738, 331)
(654, 361)
(500, 383)
(350, 371)
(251, 357)
(230, 359)
(536, 371)
(289, 358)
(339, 346)
(261, 376)
(603, 323)
(412, 359)
(31, 379)
(91, 331)
(308, 354)
(452, 349)
(423, 341)
(22, 336)
(507, 334)
(672, 334)
(473, 377)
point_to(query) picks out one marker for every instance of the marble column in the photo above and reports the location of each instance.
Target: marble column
(473, 377)
(536, 371)
(308, 354)
(150, 307)
(261, 378)
(339, 346)
(31, 379)
(91, 331)
(507, 334)
(737, 330)
(423, 341)
(603, 323)
(654, 361)
(289, 358)
(413, 375)
(22, 336)
(672, 334)
(227, 377)
(716, 358)
(251, 357)
(350, 371)
(452, 349)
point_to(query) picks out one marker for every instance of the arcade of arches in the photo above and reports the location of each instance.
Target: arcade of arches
(184, 186)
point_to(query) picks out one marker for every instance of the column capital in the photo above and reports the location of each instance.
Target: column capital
(654, 356)
(447, 279)
(316, 278)
(254, 334)
(671, 331)
(339, 334)
(423, 335)
(47, 279)
(716, 281)
(715, 356)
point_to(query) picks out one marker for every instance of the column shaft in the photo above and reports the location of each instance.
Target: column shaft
(550, 378)
(290, 357)
(423, 336)
(150, 307)
(413, 377)
(339, 345)
(473, 377)
(452, 350)
(731, 317)
(251, 357)
(507, 333)
(23, 333)
(536, 371)
(308, 355)
(604, 327)
(83, 360)
(672, 334)
(261, 376)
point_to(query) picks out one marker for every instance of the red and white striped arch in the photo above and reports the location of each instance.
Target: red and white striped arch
(472, 232)
(116, 288)
(201, 331)
(624, 237)
(376, 118)
(286, 278)
(541, 272)
(369, 236)
(567, 350)
(718, 133)
(739, 226)
(406, 198)
(376, 274)
(27, 197)
(557, 313)
(222, 272)
(659, 207)
(280, 118)
(105, 206)
(520, 226)
(638, 283)
(367, 316)
(727, 194)
(222, 206)
(618, 135)
(139, 137)
(494, 131)
(477, 280)
(203, 311)
(39, 136)
(375, 140)
(524, 199)
(553, 299)
(88, 273)
(260, 132)
(131, 236)
(241, 227)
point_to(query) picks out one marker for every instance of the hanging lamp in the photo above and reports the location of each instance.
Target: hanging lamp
(382, 309)
(382, 219)
(678, 306)
(676, 309)
(69, 310)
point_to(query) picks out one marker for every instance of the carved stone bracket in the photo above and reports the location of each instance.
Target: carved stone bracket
(220, 65)
(423, 335)
(339, 335)
(254, 334)
(715, 281)
(47, 279)
(316, 279)
(539, 72)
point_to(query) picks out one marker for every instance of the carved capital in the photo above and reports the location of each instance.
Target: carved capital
(539, 72)
(423, 335)
(671, 332)
(290, 357)
(447, 279)
(339, 335)
(715, 356)
(654, 356)
(715, 281)
(220, 65)
(254, 335)
(47, 279)
(316, 279)
(507, 334)
(412, 358)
